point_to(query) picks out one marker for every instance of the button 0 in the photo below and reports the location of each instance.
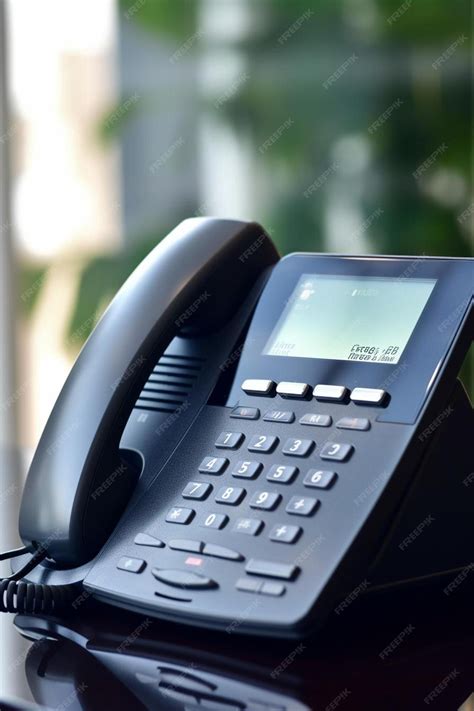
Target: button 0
(183, 579)
(245, 413)
(368, 396)
(319, 479)
(271, 570)
(335, 451)
(258, 387)
(229, 440)
(296, 390)
(353, 423)
(279, 416)
(330, 392)
(315, 420)
(215, 520)
(131, 565)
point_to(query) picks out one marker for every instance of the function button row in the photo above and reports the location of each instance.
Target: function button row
(266, 443)
(260, 587)
(333, 393)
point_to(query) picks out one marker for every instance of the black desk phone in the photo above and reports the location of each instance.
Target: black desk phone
(247, 442)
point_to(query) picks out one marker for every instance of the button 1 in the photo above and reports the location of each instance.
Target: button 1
(298, 447)
(285, 534)
(248, 585)
(279, 416)
(262, 443)
(296, 390)
(144, 539)
(245, 413)
(282, 474)
(196, 490)
(250, 526)
(266, 500)
(186, 544)
(183, 579)
(336, 452)
(213, 465)
(221, 552)
(271, 570)
(229, 440)
(258, 387)
(301, 505)
(273, 589)
(319, 479)
(330, 392)
(246, 469)
(353, 423)
(131, 565)
(316, 420)
(230, 495)
(215, 520)
(179, 515)
(368, 396)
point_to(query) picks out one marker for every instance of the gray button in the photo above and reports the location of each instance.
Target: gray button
(258, 387)
(245, 413)
(183, 579)
(221, 552)
(230, 495)
(144, 539)
(319, 479)
(368, 396)
(279, 416)
(250, 526)
(179, 515)
(196, 490)
(336, 451)
(316, 420)
(274, 589)
(353, 423)
(248, 585)
(266, 500)
(229, 440)
(271, 570)
(131, 565)
(215, 520)
(298, 447)
(330, 392)
(213, 465)
(246, 469)
(262, 443)
(301, 505)
(296, 390)
(186, 544)
(279, 473)
(282, 533)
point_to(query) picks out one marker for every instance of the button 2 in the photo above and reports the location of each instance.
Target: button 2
(336, 452)
(262, 443)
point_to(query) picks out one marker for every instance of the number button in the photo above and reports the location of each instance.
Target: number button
(229, 440)
(298, 447)
(316, 420)
(215, 520)
(264, 500)
(263, 443)
(279, 416)
(196, 490)
(285, 534)
(230, 495)
(336, 452)
(282, 474)
(302, 505)
(250, 526)
(179, 515)
(247, 469)
(213, 465)
(319, 479)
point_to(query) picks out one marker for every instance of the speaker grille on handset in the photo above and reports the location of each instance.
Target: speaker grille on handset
(170, 383)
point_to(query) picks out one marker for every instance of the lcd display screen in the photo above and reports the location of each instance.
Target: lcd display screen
(365, 319)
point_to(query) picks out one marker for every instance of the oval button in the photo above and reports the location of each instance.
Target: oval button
(184, 579)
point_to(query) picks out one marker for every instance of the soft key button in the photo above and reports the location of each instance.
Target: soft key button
(330, 392)
(296, 390)
(183, 579)
(258, 387)
(368, 396)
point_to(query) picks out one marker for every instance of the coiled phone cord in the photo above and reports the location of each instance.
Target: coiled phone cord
(17, 595)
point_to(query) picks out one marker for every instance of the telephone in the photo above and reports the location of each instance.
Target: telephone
(247, 442)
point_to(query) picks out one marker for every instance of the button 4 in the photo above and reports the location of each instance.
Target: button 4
(335, 451)
(213, 465)
(319, 479)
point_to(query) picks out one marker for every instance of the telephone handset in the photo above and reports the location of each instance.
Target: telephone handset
(288, 420)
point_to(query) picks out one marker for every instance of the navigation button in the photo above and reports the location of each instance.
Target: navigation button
(186, 544)
(292, 390)
(144, 539)
(271, 570)
(316, 420)
(330, 392)
(368, 396)
(273, 589)
(184, 579)
(131, 565)
(221, 552)
(258, 387)
(353, 423)
(248, 585)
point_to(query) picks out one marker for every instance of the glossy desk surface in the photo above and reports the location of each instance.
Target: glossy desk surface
(409, 650)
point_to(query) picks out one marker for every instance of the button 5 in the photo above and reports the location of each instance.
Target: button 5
(282, 474)
(246, 469)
